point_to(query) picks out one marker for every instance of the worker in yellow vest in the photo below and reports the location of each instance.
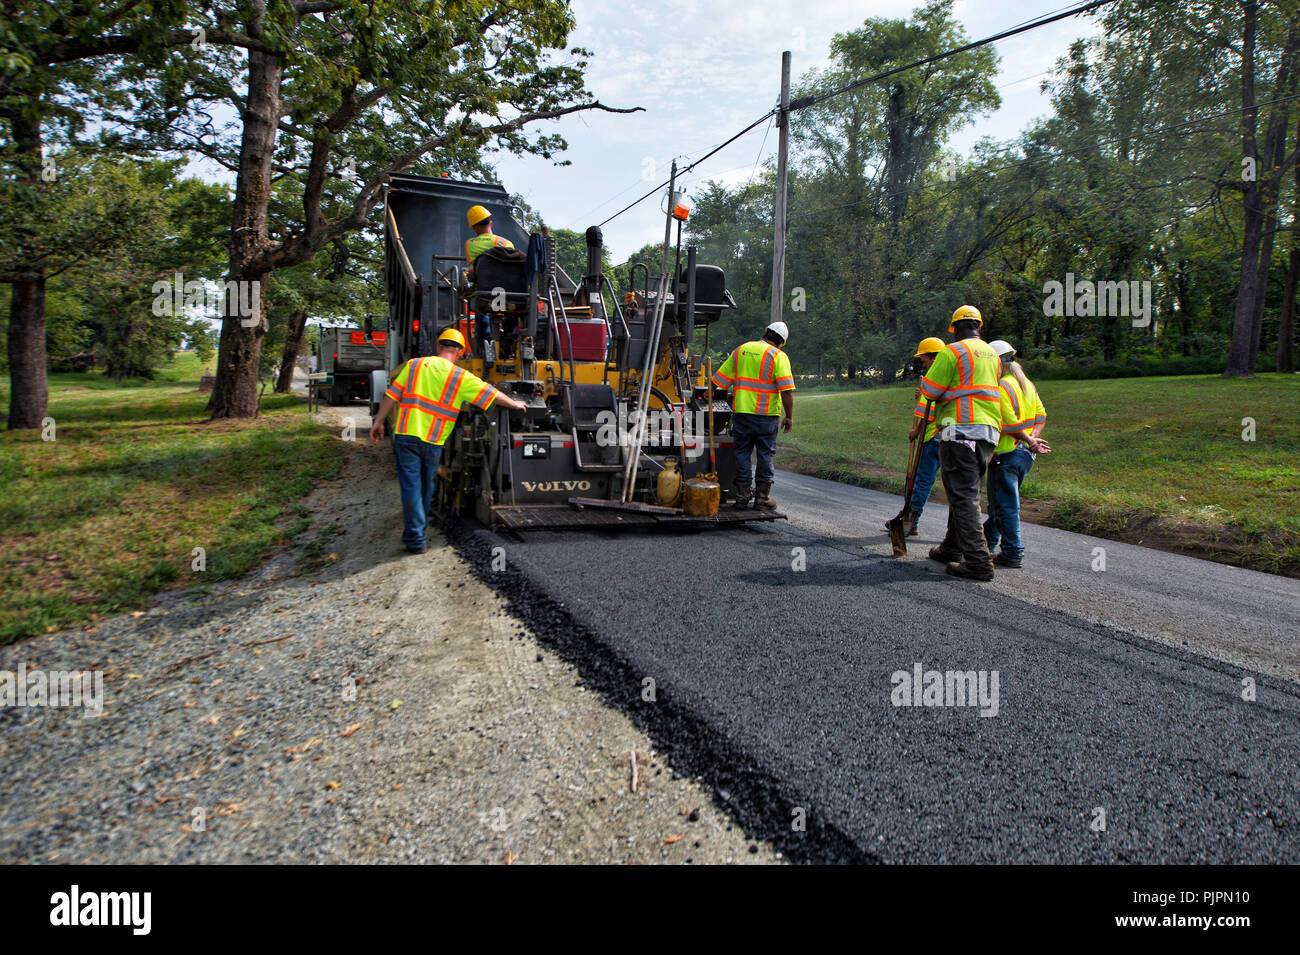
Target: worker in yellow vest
(480, 220)
(1023, 420)
(926, 431)
(428, 394)
(759, 372)
(963, 384)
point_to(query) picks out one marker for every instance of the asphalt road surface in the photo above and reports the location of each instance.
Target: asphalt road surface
(770, 659)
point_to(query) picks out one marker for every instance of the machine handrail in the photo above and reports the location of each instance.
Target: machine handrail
(627, 335)
(397, 236)
(557, 298)
(646, 385)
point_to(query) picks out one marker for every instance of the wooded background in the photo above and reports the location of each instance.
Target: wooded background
(1169, 158)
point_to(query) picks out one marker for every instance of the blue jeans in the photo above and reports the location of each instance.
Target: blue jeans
(417, 465)
(1006, 474)
(755, 432)
(927, 469)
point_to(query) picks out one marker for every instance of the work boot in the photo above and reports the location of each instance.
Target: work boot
(910, 527)
(1002, 560)
(943, 556)
(743, 493)
(982, 572)
(761, 499)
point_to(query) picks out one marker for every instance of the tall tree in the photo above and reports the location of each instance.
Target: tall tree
(52, 79)
(336, 96)
(870, 148)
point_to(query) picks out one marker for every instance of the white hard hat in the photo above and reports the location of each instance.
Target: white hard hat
(778, 328)
(1002, 348)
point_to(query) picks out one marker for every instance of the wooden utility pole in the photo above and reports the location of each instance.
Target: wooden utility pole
(783, 147)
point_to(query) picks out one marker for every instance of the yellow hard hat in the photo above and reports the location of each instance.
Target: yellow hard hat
(452, 335)
(476, 215)
(929, 346)
(967, 313)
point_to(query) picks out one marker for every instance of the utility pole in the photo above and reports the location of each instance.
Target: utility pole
(668, 220)
(778, 246)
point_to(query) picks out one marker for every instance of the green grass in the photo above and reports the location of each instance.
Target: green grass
(106, 515)
(1126, 452)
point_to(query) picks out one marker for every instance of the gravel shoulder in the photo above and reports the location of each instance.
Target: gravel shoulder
(346, 703)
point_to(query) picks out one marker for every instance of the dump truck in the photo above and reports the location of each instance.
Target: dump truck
(615, 395)
(347, 356)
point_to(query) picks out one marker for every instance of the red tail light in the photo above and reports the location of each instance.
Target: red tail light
(415, 325)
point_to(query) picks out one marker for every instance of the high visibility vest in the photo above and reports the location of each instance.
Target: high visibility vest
(429, 393)
(963, 383)
(919, 411)
(759, 371)
(1021, 411)
(476, 246)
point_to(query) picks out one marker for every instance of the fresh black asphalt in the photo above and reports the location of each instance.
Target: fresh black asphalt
(773, 683)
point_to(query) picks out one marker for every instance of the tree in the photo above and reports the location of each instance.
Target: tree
(869, 149)
(51, 79)
(336, 96)
(1252, 46)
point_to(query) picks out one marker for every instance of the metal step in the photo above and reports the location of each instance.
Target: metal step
(594, 467)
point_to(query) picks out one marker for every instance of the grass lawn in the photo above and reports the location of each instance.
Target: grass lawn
(110, 512)
(1160, 460)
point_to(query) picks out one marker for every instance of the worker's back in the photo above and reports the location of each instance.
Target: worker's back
(758, 371)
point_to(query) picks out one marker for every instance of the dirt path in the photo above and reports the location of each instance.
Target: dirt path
(348, 703)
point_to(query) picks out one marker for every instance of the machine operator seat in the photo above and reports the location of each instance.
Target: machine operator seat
(500, 288)
(499, 269)
(711, 295)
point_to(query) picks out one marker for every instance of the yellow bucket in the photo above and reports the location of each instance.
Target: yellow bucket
(668, 486)
(702, 495)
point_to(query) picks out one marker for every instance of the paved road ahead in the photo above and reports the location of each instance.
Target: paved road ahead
(790, 670)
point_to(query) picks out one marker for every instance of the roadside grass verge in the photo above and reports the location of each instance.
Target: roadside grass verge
(109, 513)
(1158, 461)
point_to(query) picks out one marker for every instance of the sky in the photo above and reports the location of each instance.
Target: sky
(705, 70)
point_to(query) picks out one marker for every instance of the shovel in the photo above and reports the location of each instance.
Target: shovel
(897, 528)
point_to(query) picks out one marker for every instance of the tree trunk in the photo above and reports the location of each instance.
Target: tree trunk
(28, 392)
(292, 346)
(1259, 197)
(1286, 319)
(234, 394)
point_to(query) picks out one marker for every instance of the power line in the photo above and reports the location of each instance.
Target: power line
(805, 101)
(716, 149)
(1156, 134)
(1051, 156)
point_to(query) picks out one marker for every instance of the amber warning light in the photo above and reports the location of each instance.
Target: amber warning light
(681, 212)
